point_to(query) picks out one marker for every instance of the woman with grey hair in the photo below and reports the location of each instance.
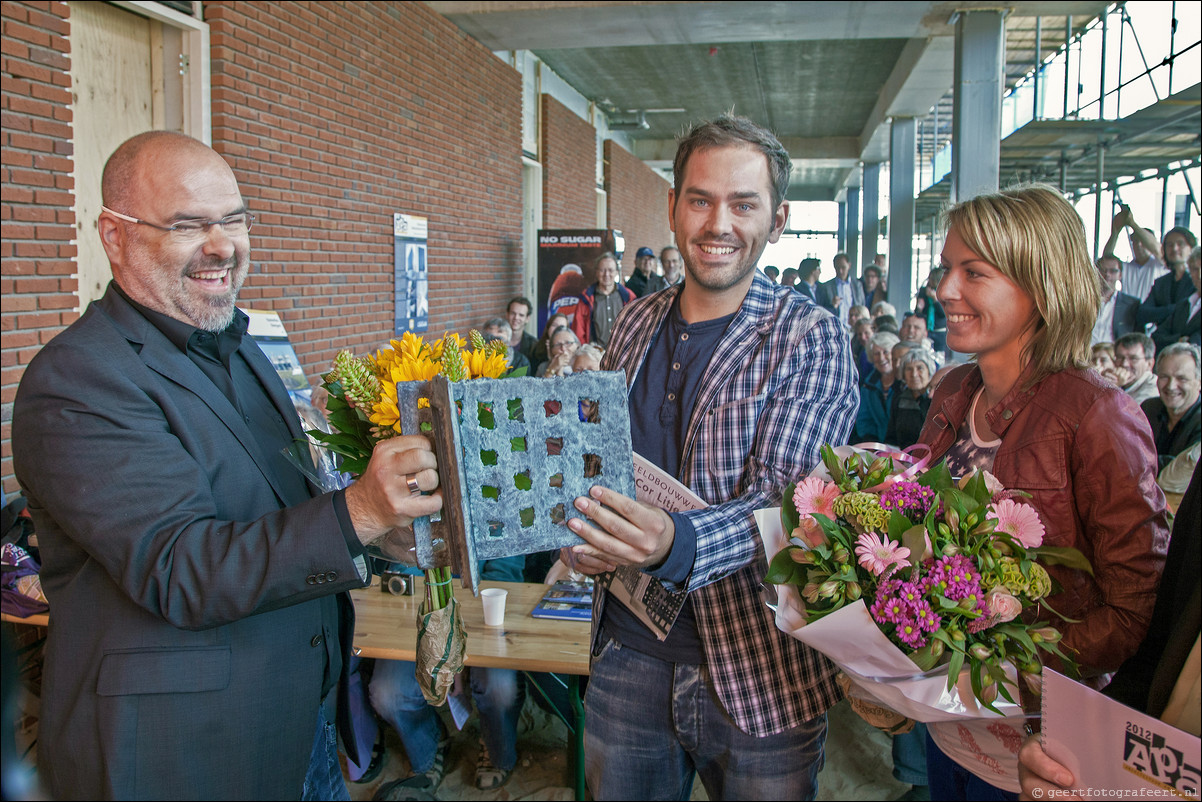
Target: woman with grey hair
(560, 349)
(876, 390)
(912, 398)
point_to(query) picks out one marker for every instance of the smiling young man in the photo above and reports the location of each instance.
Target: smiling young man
(736, 383)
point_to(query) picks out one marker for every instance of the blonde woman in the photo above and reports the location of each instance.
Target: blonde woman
(1021, 294)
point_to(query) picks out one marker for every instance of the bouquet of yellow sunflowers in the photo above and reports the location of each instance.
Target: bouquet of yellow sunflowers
(363, 409)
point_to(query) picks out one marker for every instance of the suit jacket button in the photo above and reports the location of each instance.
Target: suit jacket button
(317, 641)
(331, 576)
(311, 579)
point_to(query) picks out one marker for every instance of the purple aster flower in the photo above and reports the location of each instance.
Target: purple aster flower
(888, 610)
(909, 592)
(909, 498)
(928, 620)
(911, 634)
(956, 577)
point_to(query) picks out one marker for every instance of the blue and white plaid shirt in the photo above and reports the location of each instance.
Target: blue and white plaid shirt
(780, 384)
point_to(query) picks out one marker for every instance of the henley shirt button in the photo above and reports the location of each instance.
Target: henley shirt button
(675, 366)
(671, 396)
(317, 641)
(684, 336)
(1007, 414)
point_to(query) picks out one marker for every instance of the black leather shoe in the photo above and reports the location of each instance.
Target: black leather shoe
(379, 756)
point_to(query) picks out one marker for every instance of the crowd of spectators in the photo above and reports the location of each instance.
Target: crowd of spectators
(1146, 337)
(898, 364)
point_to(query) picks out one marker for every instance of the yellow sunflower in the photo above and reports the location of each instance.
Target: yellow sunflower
(436, 348)
(386, 414)
(482, 364)
(412, 370)
(410, 345)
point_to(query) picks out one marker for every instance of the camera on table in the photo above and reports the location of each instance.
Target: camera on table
(396, 583)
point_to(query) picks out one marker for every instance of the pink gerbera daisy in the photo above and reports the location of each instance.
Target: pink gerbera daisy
(1020, 521)
(878, 555)
(815, 496)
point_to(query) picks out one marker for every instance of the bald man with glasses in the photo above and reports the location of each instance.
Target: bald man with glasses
(196, 579)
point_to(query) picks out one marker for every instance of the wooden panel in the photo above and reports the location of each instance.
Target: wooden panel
(112, 98)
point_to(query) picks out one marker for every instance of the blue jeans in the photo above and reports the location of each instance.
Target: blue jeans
(910, 756)
(397, 698)
(498, 694)
(950, 780)
(323, 780)
(652, 724)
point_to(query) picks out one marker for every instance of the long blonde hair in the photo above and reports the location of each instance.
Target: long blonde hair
(1037, 240)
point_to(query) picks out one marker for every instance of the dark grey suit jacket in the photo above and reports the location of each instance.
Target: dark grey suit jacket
(1177, 326)
(827, 292)
(1123, 322)
(192, 602)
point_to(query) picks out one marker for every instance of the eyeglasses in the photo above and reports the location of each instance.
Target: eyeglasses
(562, 344)
(234, 225)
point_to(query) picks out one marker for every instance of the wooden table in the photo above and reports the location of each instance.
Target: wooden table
(386, 629)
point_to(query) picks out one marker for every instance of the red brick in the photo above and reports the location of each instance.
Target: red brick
(324, 157)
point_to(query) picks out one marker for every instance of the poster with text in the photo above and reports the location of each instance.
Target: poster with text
(412, 282)
(1113, 750)
(567, 264)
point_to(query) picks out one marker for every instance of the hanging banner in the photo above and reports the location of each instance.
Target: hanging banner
(566, 265)
(412, 283)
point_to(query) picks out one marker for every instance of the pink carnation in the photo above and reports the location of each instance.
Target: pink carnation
(1020, 521)
(814, 496)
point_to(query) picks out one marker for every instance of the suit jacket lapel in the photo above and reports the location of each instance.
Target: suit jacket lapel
(160, 355)
(281, 400)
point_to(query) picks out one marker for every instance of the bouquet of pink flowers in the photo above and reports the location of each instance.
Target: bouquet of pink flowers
(946, 569)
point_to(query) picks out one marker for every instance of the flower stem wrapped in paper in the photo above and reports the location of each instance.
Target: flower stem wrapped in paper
(363, 409)
(915, 584)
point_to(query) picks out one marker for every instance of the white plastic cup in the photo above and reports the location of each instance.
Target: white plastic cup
(494, 606)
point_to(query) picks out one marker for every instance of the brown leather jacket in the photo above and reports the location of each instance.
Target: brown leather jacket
(1083, 450)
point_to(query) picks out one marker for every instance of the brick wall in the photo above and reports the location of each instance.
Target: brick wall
(329, 132)
(36, 220)
(569, 160)
(637, 199)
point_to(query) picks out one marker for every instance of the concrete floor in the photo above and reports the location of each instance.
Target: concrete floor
(858, 762)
